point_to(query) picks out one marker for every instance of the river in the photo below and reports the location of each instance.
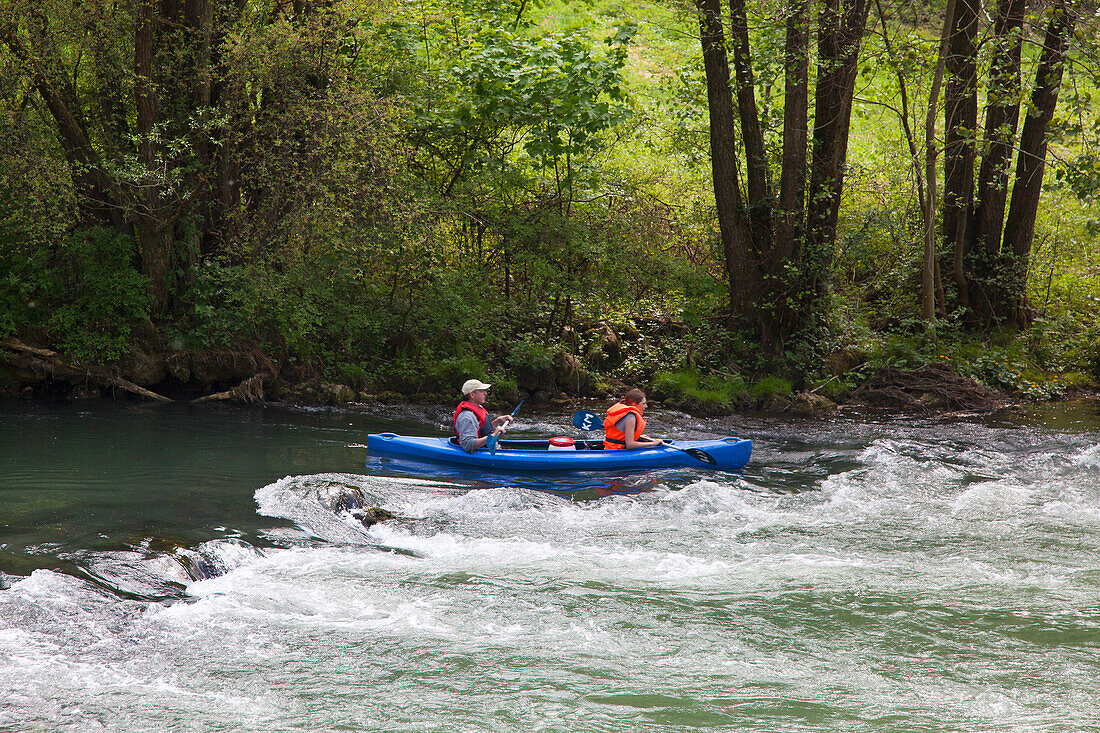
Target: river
(183, 568)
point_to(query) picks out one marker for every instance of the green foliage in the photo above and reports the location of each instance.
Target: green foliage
(80, 291)
(449, 374)
(23, 272)
(1031, 365)
(101, 296)
(1009, 371)
(550, 97)
(526, 355)
(688, 386)
(402, 196)
(416, 338)
(771, 386)
(904, 351)
(836, 389)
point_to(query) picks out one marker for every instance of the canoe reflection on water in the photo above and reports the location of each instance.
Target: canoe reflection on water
(578, 484)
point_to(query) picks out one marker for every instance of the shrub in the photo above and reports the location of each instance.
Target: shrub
(689, 390)
(103, 297)
(447, 375)
(772, 386)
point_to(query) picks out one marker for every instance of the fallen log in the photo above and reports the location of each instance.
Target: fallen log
(17, 345)
(47, 364)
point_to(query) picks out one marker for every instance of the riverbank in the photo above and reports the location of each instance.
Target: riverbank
(250, 376)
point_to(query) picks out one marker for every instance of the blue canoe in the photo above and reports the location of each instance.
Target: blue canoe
(729, 454)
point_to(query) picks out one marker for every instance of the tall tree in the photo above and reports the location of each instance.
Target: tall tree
(960, 126)
(926, 173)
(778, 261)
(159, 104)
(744, 279)
(991, 251)
(138, 179)
(1002, 114)
(1010, 301)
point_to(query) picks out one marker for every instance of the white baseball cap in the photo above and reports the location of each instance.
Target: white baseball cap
(471, 384)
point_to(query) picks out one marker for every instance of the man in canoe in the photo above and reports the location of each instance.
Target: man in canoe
(473, 426)
(624, 426)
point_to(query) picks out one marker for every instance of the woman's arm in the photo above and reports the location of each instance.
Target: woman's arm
(629, 423)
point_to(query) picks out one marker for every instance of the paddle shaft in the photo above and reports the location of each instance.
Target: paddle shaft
(491, 440)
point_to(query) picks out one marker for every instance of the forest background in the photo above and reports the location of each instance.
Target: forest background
(341, 198)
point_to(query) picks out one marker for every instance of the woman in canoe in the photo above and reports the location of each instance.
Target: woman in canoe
(624, 426)
(473, 426)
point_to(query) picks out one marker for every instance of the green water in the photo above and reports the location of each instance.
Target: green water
(185, 568)
(108, 475)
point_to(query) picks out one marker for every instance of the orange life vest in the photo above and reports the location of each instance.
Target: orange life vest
(615, 438)
(482, 417)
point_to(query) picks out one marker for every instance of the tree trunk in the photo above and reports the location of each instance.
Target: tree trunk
(960, 152)
(778, 268)
(1031, 163)
(1001, 119)
(98, 198)
(792, 179)
(154, 242)
(789, 240)
(736, 243)
(841, 26)
(756, 156)
(928, 267)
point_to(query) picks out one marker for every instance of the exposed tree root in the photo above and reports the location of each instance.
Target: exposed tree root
(249, 391)
(932, 387)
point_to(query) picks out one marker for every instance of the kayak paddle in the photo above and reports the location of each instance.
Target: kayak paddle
(586, 420)
(491, 440)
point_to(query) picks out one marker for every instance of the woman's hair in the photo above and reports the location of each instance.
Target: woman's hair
(633, 397)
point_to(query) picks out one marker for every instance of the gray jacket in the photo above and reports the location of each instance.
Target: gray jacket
(468, 429)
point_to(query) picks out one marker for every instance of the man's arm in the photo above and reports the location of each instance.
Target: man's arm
(467, 427)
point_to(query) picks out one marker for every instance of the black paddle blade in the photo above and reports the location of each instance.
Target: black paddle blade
(702, 455)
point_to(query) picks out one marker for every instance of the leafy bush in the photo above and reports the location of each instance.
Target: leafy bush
(903, 351)
(529, 356)
(23, 272)
(102, 296)
(448, 374)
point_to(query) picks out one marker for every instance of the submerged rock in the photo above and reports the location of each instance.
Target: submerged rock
(316, 392)
(369, 516)
(143, 367)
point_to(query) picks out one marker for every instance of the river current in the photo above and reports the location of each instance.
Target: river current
(175, 568)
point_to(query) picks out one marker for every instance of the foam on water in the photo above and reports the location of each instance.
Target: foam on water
(1089, 457)
(924, 585)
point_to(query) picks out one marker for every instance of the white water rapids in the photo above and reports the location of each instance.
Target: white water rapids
(879, 578)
